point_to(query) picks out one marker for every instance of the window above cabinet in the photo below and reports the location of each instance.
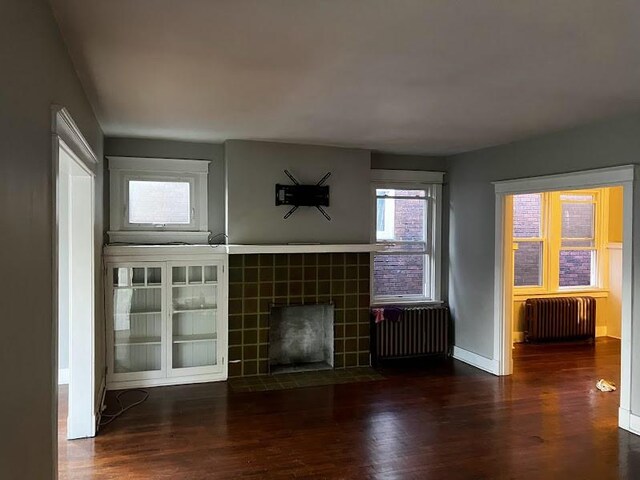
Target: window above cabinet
(158, 200)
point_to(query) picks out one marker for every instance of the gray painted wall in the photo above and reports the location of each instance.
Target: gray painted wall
(472, 211)
(390, 161)
(156, 148)
(38, 73)
(253, 169)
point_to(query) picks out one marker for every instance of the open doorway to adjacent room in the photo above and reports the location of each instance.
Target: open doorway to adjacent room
(75, 293)
(567, 279)
(567, 237)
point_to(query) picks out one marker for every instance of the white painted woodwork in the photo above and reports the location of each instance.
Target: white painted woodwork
(167, 318)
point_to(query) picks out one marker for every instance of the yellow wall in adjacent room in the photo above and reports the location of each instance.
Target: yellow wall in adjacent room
(615, 215)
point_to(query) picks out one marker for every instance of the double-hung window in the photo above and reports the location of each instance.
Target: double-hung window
(558, 240)
(406, 263)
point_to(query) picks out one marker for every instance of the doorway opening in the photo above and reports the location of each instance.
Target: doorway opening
(73, 280)
(566, 278)
(575, 260)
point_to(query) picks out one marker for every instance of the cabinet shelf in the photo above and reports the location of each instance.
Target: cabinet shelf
(200, 337)
(138, 287)
(126, 340)
(152, 312)
(196, 310)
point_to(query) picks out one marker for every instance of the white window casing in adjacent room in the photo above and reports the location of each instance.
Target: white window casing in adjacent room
(406, 226)
(559, 241)
(158, 200)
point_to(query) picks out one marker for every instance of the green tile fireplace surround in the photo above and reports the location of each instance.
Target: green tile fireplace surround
(258, 281)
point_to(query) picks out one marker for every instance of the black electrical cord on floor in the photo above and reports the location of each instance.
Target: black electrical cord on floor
(113, 416)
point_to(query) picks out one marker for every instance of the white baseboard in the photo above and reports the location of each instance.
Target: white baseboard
(475, 360)
(518, 337)
(63, 376)
(628, 421)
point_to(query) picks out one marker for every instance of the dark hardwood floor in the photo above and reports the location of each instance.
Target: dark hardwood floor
(447, 420)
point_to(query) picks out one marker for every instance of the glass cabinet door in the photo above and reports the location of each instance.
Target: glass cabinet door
(194, 318)
(137, 320)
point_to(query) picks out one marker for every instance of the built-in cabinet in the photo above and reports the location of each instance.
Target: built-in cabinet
(167, 321)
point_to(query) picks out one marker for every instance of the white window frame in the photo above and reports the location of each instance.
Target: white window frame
(431, 183)
(122, 170)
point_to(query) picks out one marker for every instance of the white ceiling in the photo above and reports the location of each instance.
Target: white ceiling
(412, 76)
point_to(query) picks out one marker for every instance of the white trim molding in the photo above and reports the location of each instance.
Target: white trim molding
(66, 129)
(67, 138)
(503, 334)
(407, 176)
(170, 250)
(158, 238)
(601, 177)
(628, 421)
(475, 360)
(303, 248)
(63, 376)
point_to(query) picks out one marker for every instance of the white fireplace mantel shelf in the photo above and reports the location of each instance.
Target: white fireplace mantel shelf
(169, 250)
(303, 248)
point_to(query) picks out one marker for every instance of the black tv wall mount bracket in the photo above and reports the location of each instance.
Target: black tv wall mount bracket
(298, 195)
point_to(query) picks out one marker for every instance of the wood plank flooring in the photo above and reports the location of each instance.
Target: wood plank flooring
(443, 420)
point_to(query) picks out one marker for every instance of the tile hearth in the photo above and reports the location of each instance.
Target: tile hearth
(286, 381)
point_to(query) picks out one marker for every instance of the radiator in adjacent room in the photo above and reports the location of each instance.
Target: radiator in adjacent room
(561, 318)
(416, 332)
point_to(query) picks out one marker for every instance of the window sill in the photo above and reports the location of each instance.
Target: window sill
(158, 237)
(400, 302)
(591, 292)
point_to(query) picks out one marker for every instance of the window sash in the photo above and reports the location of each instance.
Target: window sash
(193, 214)
(427, 288)
(427, 227)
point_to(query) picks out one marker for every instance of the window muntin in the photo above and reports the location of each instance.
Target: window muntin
(402, 270)
(157, 202)
(556, 240)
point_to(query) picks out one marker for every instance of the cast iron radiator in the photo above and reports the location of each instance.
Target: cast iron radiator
(417, 331)
(562, 318)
